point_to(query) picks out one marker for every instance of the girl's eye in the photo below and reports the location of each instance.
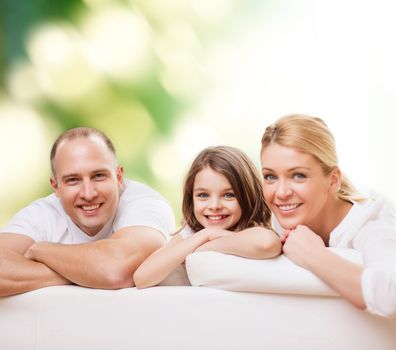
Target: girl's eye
(269, 178)
(202, 195)
(229, 195)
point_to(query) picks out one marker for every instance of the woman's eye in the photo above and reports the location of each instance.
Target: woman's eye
(299, 176)
(269, 178)
(229, 195)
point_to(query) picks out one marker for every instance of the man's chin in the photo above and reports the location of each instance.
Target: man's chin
(89, 228)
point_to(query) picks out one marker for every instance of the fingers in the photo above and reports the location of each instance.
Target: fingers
(284, 235)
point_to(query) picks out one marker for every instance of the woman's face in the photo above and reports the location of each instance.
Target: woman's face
(295, 188)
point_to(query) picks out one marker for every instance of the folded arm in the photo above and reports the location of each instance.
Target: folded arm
(253, 243)
(19, 274)
(308, 250)
(162, 262)
(379, 276)
(107, 263)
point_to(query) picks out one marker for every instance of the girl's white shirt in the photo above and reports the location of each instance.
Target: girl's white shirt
(186, 232)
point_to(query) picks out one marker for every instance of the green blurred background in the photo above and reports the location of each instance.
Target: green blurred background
(166, 78)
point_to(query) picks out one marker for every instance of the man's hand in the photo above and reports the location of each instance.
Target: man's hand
(35, 247)
(107, 263)
(19, 274)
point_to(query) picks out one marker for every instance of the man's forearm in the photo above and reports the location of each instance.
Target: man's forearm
(106, 263)
(19, 275)
(95, 264)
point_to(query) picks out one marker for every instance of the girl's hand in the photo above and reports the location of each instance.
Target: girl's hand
(214, 233)
(300, 244)
(211, 235)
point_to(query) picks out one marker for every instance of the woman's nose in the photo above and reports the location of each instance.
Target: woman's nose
(284, 189)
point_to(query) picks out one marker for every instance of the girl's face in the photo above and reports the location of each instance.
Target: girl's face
(295, 188)
(215, 204)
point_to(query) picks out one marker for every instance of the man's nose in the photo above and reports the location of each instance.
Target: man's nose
(88, 190)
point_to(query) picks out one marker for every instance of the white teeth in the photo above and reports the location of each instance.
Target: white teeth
(288, 207)
(216, 217)
(90, 207)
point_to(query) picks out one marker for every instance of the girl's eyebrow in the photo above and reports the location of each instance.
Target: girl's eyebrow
(204, 189)
(199, 189)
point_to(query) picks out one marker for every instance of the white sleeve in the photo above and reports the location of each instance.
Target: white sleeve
(379, 277)
(149, 212)
(30, 221)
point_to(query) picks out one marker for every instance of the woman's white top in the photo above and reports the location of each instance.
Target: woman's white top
(370, 227)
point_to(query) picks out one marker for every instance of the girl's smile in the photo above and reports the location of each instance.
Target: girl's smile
(215, 204)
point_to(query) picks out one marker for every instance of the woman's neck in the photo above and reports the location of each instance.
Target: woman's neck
(334, 213)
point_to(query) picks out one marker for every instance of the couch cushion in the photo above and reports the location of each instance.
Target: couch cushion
(277, 275)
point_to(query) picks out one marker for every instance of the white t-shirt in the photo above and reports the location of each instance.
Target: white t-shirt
(186, 232)
(46, 220)
(370, 227)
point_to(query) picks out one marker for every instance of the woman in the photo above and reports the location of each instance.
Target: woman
(317, 207)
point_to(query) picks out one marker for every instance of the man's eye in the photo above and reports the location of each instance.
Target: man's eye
(99, 176)
(71, 180)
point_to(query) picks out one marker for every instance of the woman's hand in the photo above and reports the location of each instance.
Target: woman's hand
(300, 243)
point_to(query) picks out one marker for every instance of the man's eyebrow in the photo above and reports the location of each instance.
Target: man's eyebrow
(104, 170)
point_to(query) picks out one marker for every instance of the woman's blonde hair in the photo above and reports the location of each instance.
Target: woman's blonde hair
(312, 136)
(244, 179)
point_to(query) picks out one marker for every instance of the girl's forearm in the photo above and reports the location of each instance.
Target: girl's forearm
(253, 243)
(162, 262)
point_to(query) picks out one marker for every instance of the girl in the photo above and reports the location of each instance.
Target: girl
(316, 207)
(224, 211)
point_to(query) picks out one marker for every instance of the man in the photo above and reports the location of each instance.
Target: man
(94, 231)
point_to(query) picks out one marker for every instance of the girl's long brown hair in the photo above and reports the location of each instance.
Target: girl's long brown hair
(245, 181)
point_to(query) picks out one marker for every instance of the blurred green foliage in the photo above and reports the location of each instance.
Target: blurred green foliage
(49, 67)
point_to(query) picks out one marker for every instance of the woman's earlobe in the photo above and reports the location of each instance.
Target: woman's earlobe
(336, 179)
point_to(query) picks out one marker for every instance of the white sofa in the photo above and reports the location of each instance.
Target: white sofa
(309, 316)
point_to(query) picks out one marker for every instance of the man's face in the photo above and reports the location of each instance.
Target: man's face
(87, 182)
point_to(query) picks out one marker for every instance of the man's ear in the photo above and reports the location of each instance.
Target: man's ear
(335, 179)
(120, 174)
(54, 185)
